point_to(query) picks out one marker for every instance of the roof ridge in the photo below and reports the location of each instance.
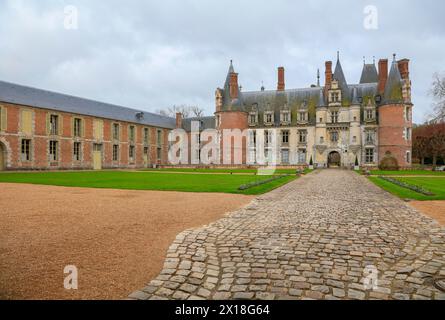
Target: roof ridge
(82, 98)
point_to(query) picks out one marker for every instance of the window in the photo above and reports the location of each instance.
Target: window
(158, 153)
(334, 136)
(303, 116)
(131, 153)
(408, 157)
(131, 133)
(26, 150)
(334, 116)
(302, 156)
(267, 137)
(354, 139)
(54, 124)
(53, 152)
(26, 122)
(115, 152)
(269, 117)
(369, 155)
(286, 117)
(369, 115)
(321, 140)
(76, 151)
(369, 137)
(285, 156)
(159, 137)
(408, 133)
(407, 113)
(252, 118)
(146, 136)
(335, 97)
(115, 131)
(2, 118)
(77, 127)
(285, 136)
(302, 136)
(252, 138)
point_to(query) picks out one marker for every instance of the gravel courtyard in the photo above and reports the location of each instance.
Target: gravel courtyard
(116, 238)
(310, 239)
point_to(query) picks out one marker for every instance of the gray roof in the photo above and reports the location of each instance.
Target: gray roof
(206, 123)
(369, 74)
(340, 77)
(22, 95)
(393, 87)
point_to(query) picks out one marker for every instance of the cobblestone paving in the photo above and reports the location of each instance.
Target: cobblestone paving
(310, 239)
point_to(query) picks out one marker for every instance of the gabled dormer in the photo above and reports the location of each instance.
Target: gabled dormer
(253, 115)
(334, 94)
(303, 113)
(285, 116)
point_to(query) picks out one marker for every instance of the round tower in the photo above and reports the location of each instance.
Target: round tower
(395, 121)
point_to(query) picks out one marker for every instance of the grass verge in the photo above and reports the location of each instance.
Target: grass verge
(147, 181)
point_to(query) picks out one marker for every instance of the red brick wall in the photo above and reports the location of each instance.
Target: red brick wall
(40, 142)
(234, 120)
(391, 133)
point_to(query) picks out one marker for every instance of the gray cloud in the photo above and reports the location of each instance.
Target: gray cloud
(155, 54)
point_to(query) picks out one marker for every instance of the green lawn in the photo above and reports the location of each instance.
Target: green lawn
(200, 170)
(147, 181)
(435, 185)
(408, 173)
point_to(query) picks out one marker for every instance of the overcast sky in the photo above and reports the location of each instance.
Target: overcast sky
(155, 54)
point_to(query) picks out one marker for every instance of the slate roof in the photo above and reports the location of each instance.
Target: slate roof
(206, 123)
(393, 87)
(369, 74)
(28, 96)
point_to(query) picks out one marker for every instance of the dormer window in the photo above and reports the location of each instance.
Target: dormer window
(302, 116)
(285, 117)
(268, 118)
(253, 118)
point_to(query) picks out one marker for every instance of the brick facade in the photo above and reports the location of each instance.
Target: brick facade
(39, 150)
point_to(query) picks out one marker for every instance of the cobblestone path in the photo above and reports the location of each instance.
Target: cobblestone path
(315, 238)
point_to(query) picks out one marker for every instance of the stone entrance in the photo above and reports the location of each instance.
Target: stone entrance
(334, 159)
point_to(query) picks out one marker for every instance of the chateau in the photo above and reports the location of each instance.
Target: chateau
(337, 124)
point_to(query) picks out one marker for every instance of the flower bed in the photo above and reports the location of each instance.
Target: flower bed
(405, 185)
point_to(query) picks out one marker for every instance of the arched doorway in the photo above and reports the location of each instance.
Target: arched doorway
(334, 159)
(2, 157)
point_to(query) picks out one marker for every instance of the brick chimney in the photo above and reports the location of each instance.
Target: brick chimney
(383, 74)
(233, 85)
(404, 68)
(280, 85)
(328, 75)
(178, 120)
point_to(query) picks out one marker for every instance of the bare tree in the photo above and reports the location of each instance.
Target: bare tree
(438, 93)
(187, 111)
(197, 111)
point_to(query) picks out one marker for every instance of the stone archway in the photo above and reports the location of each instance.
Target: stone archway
(334, 159)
